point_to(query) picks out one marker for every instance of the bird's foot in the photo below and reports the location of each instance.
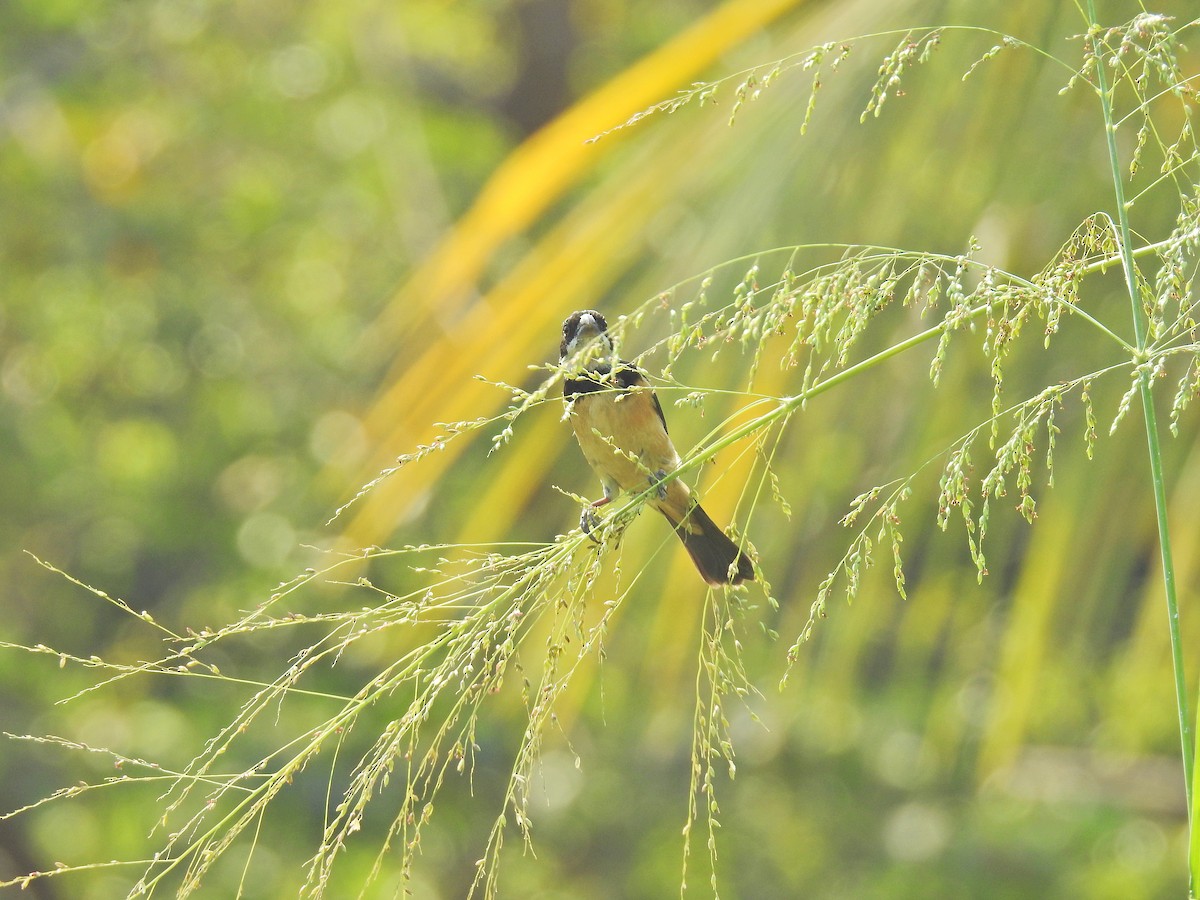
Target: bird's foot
(658, 481)
(589, 521)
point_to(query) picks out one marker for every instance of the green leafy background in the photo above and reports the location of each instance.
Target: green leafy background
(250, 252)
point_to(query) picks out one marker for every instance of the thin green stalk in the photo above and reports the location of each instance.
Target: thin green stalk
(1155, 451)
(1194, 842)
(786, 406)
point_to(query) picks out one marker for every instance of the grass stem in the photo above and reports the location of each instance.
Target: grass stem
(1147, 398)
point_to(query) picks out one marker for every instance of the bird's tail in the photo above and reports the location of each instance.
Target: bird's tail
(717, 558)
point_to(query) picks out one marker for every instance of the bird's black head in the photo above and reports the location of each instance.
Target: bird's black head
(582, 328)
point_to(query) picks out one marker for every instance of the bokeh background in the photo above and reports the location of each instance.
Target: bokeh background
(250, 252)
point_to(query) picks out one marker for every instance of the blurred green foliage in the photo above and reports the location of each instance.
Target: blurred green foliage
(208, 208)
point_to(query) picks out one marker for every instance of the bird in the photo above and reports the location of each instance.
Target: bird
(621, 429)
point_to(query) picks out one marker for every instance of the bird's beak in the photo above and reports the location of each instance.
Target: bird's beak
(588, 325)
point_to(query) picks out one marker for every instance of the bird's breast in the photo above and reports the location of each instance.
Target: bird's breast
(622, 436)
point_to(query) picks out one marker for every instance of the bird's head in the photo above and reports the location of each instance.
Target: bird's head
(585, 335)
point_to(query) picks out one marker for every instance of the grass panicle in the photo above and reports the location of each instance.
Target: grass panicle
(481, 631)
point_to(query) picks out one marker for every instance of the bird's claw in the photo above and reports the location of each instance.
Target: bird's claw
(657, 481)
(588, 521)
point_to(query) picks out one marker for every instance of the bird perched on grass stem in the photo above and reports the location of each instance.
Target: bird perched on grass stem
(621, 429)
